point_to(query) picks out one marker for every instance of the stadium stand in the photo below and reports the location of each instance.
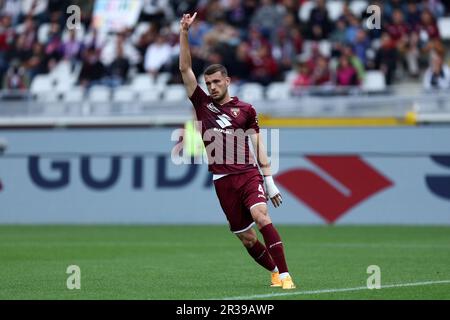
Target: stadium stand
(272, 49)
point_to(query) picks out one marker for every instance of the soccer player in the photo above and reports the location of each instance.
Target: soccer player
(238, 184)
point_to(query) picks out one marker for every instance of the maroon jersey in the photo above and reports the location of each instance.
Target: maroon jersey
(225, 131)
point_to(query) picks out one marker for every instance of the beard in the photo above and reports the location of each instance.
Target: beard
(220, 98)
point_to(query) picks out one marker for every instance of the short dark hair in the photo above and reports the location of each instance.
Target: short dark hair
(215, 68)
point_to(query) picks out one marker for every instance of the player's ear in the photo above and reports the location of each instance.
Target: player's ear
(228, 80)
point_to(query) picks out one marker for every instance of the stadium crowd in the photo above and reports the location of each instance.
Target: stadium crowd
(257, 40)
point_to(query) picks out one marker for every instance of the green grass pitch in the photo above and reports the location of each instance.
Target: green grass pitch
(208, 262)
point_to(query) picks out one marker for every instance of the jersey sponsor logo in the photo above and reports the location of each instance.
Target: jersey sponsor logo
(440, 184)
(349, 181)
(224, 121)
(235, 112)
(213, 108)
(222, 131)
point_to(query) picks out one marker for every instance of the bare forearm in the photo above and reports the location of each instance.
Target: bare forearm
(185, 54)
(261, 155)
(263, 162)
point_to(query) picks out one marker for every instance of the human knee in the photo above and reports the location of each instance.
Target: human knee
(248, 239)
(261, 216)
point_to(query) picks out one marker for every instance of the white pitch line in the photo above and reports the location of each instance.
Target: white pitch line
(298, 293)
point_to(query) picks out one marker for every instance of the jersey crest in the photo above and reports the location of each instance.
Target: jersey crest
(235, 112)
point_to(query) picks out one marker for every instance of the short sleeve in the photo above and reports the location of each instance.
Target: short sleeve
(252, 121)
(199, 97)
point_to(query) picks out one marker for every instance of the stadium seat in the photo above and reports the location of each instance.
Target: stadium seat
(325, 48)
(124, 94)
(150, 95)
(75, 95)
(65, 84)
(251, 92)
(142, 81)
(175, 92)
(290, 76)
(358, 7)
(49, 97)
(335, 9)
(278, 90)
(305, 10)
(99, 94)
(163, 78)
(41, 83)
(63, 76)
(444, 27)
(374, 81)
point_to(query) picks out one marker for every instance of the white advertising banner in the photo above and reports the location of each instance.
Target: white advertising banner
(115, 15)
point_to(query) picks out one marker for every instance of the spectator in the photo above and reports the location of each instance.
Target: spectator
(37, 9)
(413, 14)
(28, 30)
(15, 78)
(264, 68)
(319, 21)
(428, 28)
(239, 69)
(267, 17)
(288, 44)
(54, 47)
(92, 70)
(38, 62)
(6, 43)
(390, 7)
(12, 9)
(346, 74)
(303, 78)
(437, 76)
(71, 47)
(158, 55)
(362, 46)
(386, 58)
(353, 26)
(238, 13)
(321, 73)
(109, 50)
(158, 11)
(337, 37)
(117, 72)
(435, 7)
(355, 61)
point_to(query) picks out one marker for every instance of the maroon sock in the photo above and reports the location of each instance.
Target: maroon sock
(275, 246)
(261, 255)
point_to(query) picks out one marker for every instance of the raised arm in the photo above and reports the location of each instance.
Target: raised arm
(189, 79)
(264, 164)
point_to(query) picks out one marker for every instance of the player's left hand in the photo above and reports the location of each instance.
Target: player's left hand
(273, 192)
(277, 200)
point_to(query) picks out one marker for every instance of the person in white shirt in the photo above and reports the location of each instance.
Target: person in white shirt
(157, 55)
(437, 76)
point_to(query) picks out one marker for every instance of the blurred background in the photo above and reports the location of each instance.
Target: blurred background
(89, 99)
